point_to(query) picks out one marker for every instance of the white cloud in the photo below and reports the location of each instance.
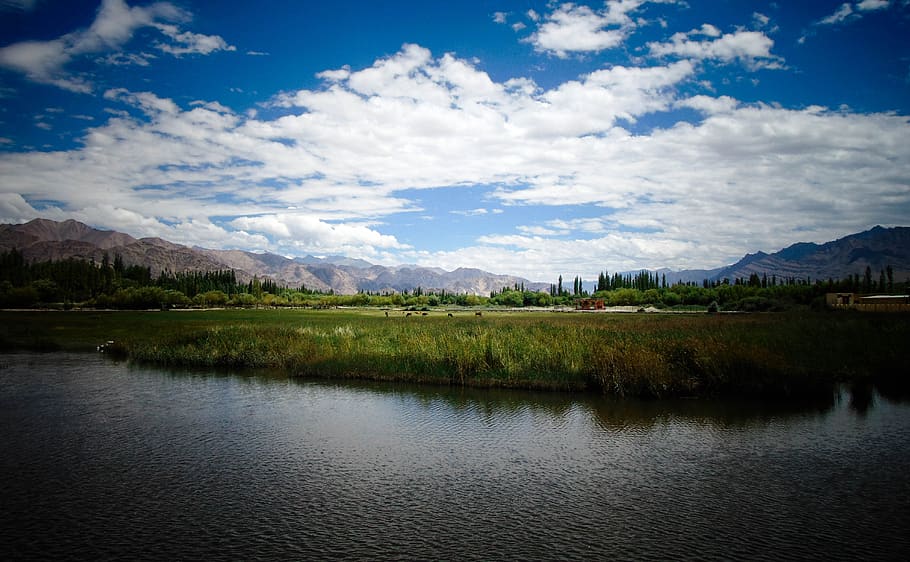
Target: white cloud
(537, 230)
(147, 101)
(330, 165)
(707, 30)
(114, 25)
(848, 11)
(871, 5)
(188, 43)
(127, 59)
(709, 105)
(305, 234)
(14, 209)
(43, 61)
(335, 75)
(841, 14)
(500, 17)
(572, 28)
(752, 48)
(471, 212)
(589, 224)
(755, 165)
(541, 257)
(760, 20)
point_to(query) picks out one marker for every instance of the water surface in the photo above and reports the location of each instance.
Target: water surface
(104, 460)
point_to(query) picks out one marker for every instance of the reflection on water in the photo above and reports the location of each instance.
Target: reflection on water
(104, 460)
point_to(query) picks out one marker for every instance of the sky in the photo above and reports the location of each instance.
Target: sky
(521, 137)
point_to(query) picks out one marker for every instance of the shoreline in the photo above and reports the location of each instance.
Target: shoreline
(616, 353)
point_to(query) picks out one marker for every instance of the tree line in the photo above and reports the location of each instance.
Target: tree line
(112, 284)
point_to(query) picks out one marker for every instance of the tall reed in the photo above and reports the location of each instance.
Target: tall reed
(623, 354)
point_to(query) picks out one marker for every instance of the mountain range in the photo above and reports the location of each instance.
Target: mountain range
(42, 239)
(877, 249)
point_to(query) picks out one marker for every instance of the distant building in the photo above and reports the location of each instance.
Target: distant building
(589, 304)
(869, 303)
(840, 299)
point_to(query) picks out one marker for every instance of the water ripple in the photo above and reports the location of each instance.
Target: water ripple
(106, 461)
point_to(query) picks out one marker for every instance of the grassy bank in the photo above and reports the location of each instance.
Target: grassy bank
(621, 354)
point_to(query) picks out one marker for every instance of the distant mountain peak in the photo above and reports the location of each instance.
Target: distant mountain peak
(46, 230)
(876, 248)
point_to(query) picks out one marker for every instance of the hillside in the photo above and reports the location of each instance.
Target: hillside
(877, 248)
(41, 240)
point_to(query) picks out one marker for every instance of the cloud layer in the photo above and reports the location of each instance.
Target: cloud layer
(114, 25)
(331, 169)
(322, 177)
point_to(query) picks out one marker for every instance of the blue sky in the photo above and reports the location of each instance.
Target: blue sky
(522, 137)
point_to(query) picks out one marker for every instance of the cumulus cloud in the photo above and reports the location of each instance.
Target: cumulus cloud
(572, 28)
(307, 234)
(752, 48)
(709, 105)
(329, 166)
(114, 25)
(14, 209)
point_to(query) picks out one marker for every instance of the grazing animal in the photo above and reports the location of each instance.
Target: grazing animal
(386, 313)
(424, 313)
(450, 315)
(478, 313)
(408, 314)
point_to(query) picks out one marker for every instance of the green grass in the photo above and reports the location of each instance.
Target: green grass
(620, 354)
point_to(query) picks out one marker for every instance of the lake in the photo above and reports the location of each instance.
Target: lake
(101, 459)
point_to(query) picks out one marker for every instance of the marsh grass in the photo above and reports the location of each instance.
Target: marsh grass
(620, 354)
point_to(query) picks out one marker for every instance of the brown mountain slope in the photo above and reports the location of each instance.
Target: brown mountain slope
(43, 230)
(41, 240)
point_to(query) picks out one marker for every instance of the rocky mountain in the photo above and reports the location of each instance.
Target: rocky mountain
(41, 240)
(877, 249)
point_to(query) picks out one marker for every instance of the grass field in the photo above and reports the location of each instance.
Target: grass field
(645, 355)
